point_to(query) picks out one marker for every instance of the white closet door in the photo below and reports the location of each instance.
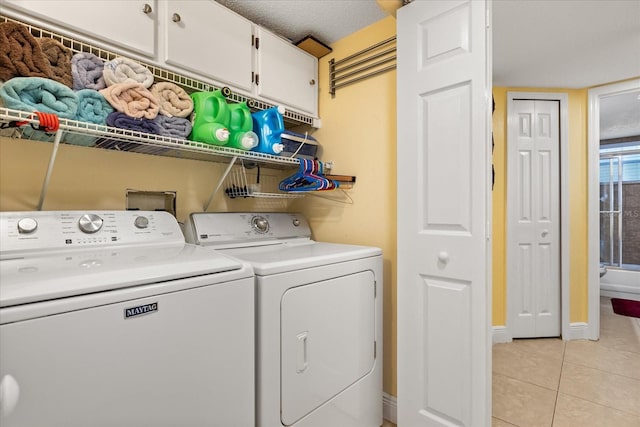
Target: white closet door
(533, 212)
(444, 182)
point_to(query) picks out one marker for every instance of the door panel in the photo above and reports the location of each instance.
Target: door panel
(533, 229)
(443, 182)
(328, 341)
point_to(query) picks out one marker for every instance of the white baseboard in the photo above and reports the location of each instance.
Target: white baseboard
(390, 408)
(501, 335)
(578, 331)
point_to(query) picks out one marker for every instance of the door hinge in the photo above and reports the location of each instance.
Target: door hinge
(375, 289)
(253, 76)
(253, 39)
(257, 79)
(375, 349)
(257, 43)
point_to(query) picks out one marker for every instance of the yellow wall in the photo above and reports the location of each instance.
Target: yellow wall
(89, 178)
(578, 180)
(359, 136)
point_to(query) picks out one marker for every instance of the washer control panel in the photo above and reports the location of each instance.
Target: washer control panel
(244, 228)
(25, 232)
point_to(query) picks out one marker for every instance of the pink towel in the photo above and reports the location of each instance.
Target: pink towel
(133, 99)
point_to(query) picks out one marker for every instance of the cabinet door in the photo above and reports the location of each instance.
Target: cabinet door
(208, 39)
(130, 24)
(288, 75)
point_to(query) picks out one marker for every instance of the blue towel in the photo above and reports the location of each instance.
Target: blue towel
(122, 121)
(175, 127)
(39, 94)
(92, 107)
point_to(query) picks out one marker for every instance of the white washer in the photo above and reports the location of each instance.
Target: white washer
(318, 319)
(109, 319)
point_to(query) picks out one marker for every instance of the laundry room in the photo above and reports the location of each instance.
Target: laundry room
(316, 198)
(103, 176)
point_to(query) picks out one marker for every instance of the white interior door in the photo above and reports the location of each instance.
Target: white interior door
(533, 224)
(444, 174)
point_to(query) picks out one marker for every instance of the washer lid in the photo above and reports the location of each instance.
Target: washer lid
(267, 260)
(66, 274)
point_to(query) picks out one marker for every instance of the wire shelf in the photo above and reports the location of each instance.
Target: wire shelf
(100, 136)
(241, 183)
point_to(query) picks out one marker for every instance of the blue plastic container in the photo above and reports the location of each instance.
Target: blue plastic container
(268, 125)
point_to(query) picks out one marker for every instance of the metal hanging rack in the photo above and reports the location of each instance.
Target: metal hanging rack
(362, 65)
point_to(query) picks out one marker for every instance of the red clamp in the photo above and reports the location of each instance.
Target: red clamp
(48, 122)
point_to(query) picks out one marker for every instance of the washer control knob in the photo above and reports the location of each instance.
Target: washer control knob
(90, 223)
(27, 225)
(260, 224)
(141, 222)
(296, 222)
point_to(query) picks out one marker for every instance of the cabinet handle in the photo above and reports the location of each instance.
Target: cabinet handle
(312, 82)
(147, 9)
(176, 18)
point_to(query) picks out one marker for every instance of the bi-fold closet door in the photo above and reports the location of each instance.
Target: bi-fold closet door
(533, 212)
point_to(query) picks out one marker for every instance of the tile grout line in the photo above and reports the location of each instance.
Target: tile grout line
(600, 370)
(555, 404)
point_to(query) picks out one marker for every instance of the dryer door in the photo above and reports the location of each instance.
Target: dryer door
(327, 341)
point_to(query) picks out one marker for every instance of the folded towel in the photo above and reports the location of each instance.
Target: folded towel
(38, 94)
(92, 107)
(59, 57)
(175, 127)
(122, 121)
(132, 99)
(20, 53)
(124, 70)
(174, 101)
(86, 69)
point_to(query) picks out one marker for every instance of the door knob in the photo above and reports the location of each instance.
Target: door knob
(147, 9)
(545, 233)
(176, 18)
(443, 257)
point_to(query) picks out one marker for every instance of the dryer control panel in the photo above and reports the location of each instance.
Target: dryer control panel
(237, 229)
(23, 233)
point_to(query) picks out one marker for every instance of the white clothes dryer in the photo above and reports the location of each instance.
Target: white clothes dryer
(109, 319)
(318, 318)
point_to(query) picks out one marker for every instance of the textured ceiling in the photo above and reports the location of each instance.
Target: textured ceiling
(326, 20)
(565, 43)
(620, 115)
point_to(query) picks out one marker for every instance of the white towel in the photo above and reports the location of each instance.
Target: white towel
(124, 70)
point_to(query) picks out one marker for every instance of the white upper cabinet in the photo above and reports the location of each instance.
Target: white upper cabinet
(208, 39)
(201, 39)
(286, 74)
(129, 24)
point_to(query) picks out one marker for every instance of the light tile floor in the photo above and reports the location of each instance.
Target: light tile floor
(549, 382)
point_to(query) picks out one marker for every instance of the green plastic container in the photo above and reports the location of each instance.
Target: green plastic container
(211, 117)
(241, 127)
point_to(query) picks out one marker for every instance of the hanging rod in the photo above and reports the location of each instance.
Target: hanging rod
(362, 65)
